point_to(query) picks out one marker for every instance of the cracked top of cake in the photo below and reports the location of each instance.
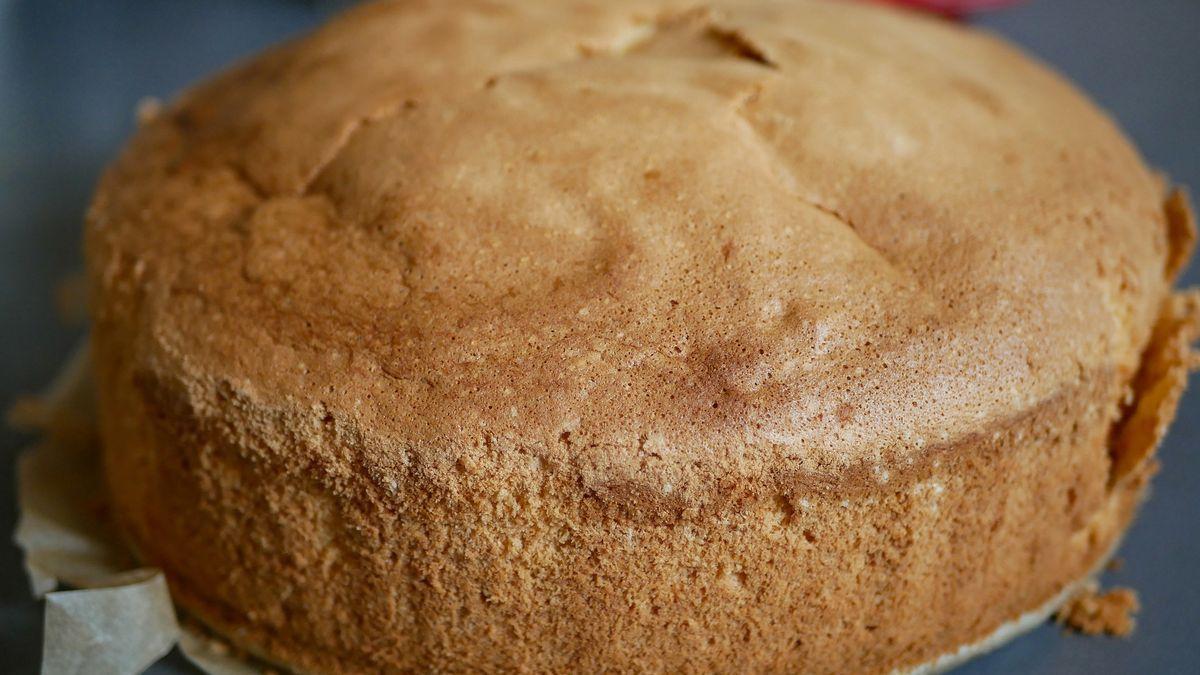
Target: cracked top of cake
(652, 238)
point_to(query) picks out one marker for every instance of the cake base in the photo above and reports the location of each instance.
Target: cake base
(1001, 636)
(1013, 629)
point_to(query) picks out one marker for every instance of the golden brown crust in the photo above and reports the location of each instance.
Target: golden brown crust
(484, 334)
(1181, 231)
(1158, 385)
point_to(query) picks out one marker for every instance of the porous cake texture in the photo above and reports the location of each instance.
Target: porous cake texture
(631, 336)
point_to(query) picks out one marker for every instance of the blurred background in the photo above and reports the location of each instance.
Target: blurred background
(71, 74)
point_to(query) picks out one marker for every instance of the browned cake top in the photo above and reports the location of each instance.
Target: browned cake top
(667, 241)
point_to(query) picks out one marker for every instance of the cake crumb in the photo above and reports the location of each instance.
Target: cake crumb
(71, 299)
(148, 109)
(217, 646)
(29, 413)
(1092, 613)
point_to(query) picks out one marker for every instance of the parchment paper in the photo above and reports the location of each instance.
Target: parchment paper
(119, 619)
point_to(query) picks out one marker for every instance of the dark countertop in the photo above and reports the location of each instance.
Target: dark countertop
(72, 72)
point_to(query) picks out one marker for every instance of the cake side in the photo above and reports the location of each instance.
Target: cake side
(503, 565)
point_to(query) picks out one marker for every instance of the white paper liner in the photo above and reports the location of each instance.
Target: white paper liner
(121, 620)
(117, 630)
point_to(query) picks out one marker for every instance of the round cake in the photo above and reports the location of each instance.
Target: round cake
(631, 336)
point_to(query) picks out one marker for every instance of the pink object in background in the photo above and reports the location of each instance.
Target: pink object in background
(954, 8)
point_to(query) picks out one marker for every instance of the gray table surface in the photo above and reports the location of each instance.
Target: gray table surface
(71, 73)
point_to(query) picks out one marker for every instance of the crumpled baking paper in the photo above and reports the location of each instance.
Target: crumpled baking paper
(116, 630)
(119, 618)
